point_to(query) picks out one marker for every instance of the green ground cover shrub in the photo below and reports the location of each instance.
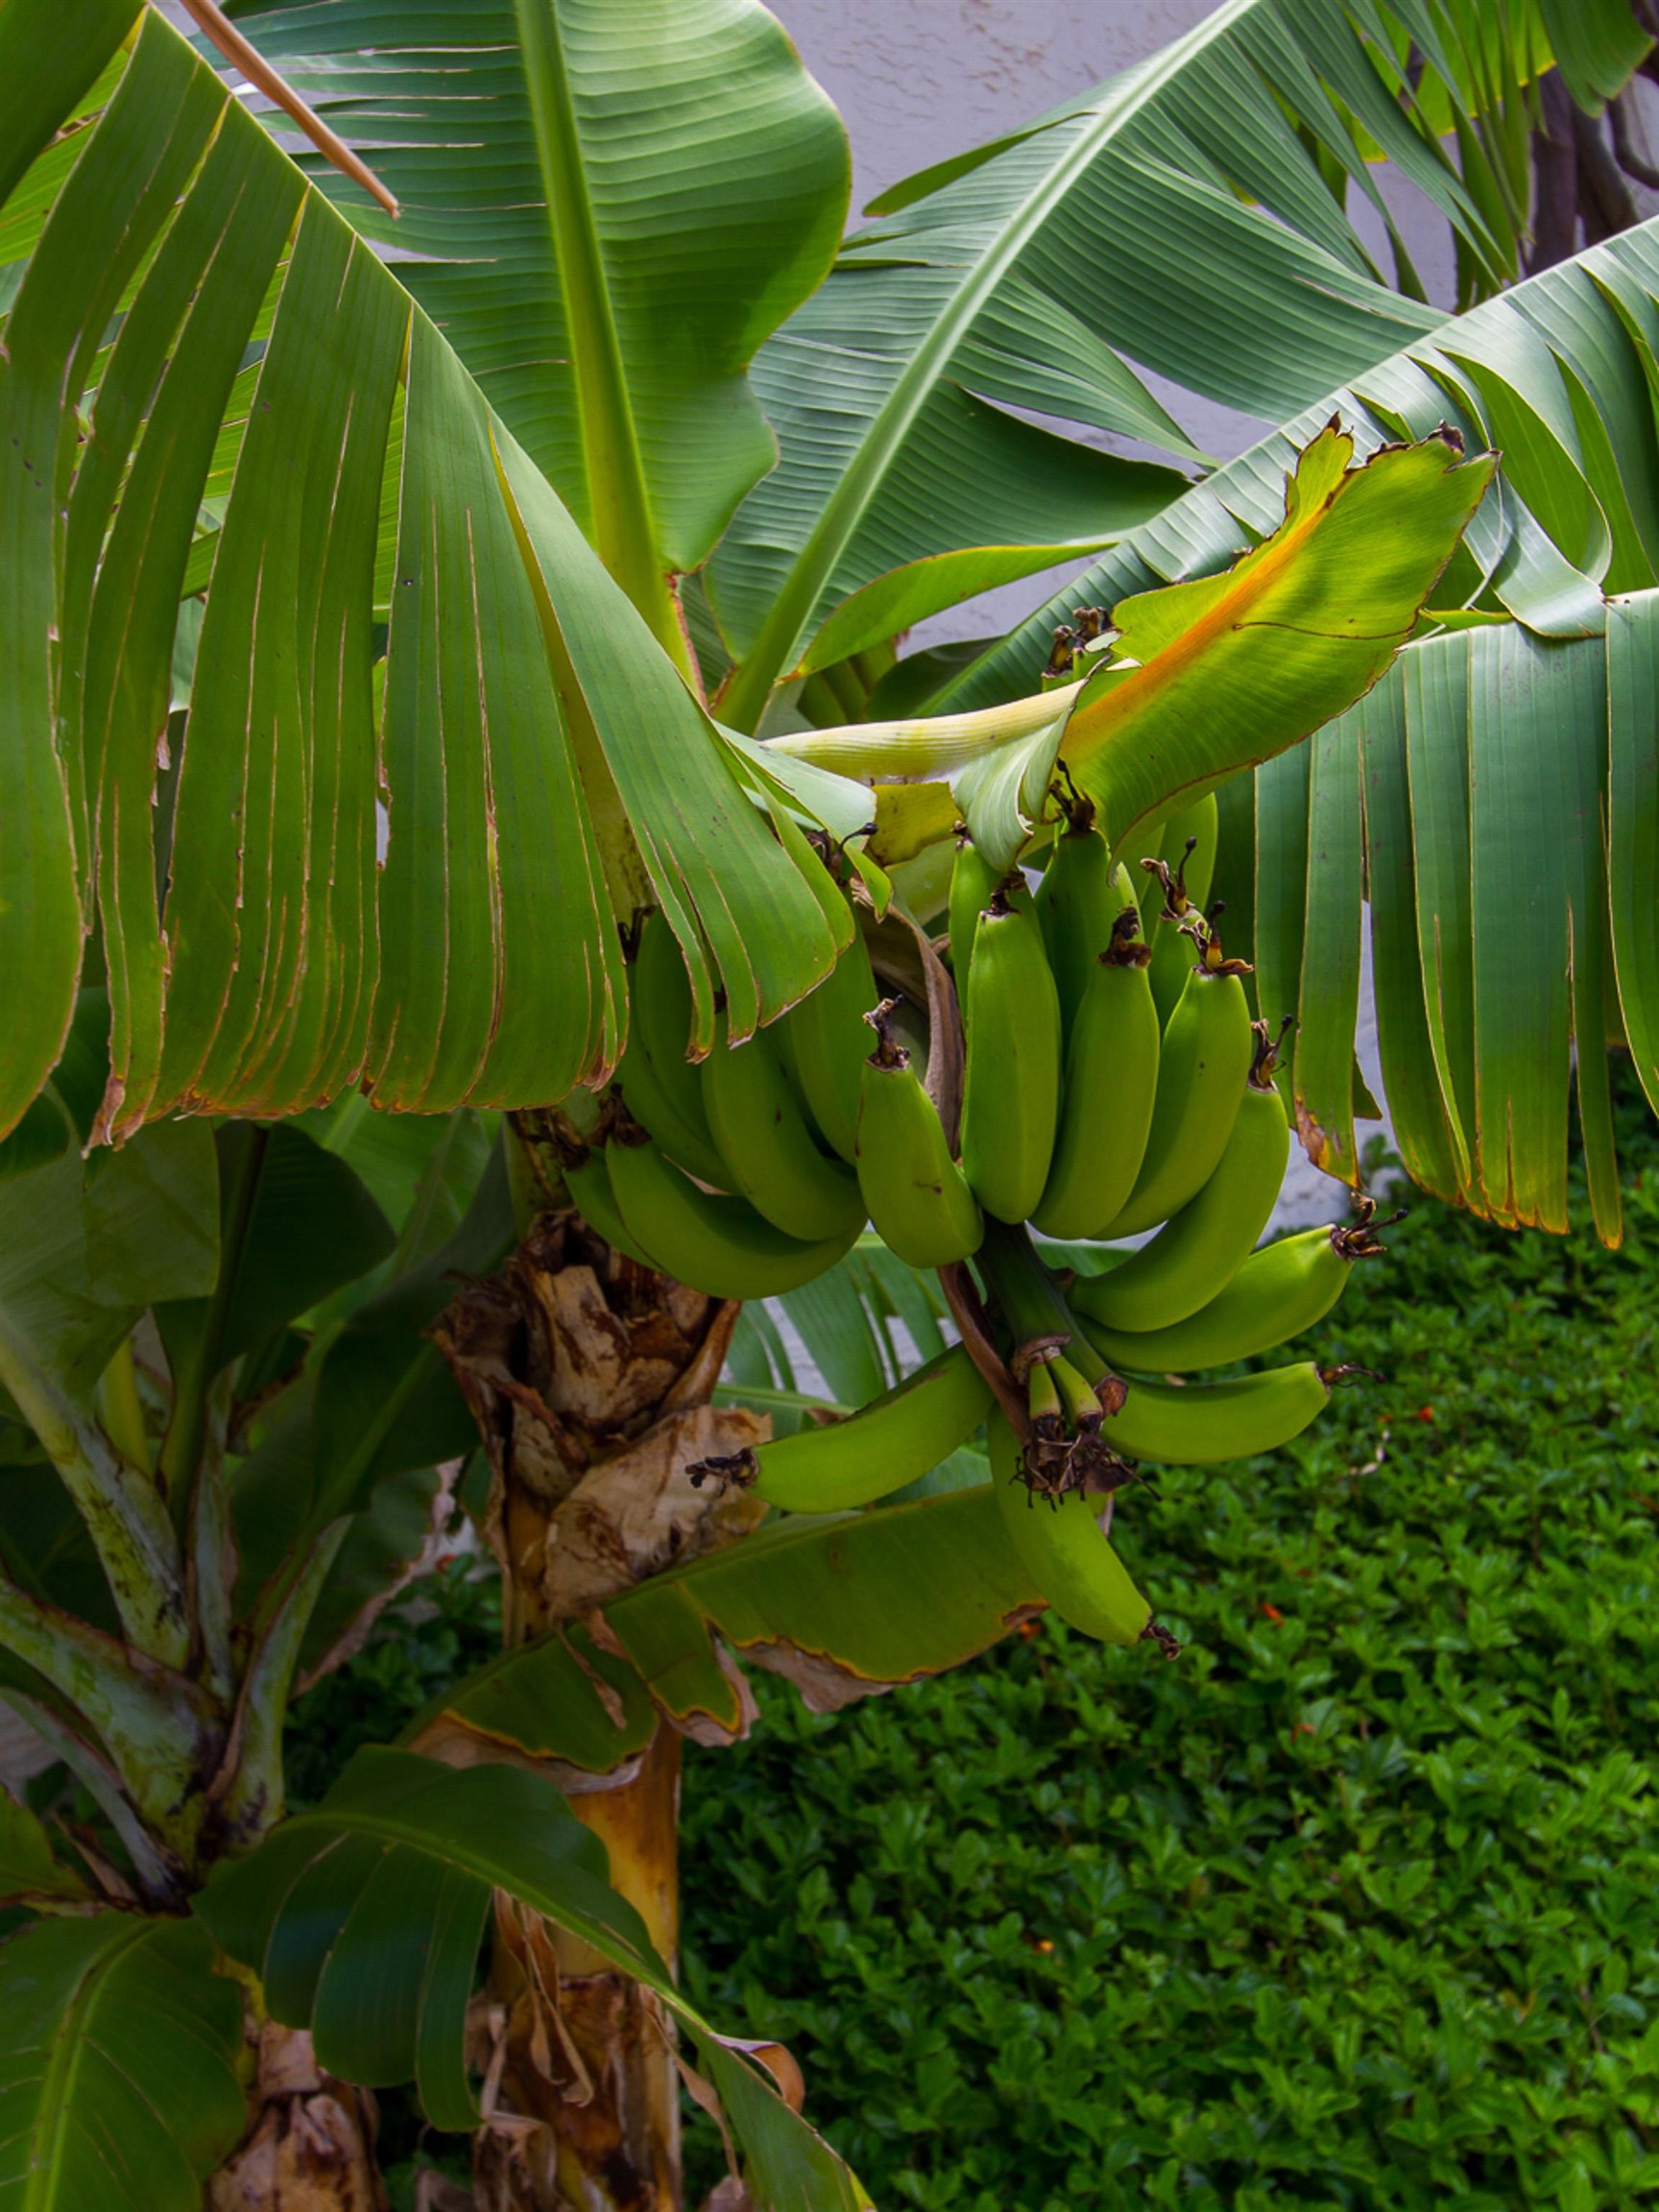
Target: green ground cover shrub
(1356, 1904)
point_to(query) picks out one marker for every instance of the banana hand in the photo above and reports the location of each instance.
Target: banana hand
(660, 1085)
(1204, 1423)
(770, 1153)
(823, 1042)
(1278, 1293)
(720, 1246)
(1111, 1084)
(1079, 903)
(1205, 1058)
(973, 881)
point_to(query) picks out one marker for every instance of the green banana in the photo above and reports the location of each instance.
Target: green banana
(1011, 1086)
(1204, 1060)
(893, 1440)
(1111, 1083)
(1059, 1544)
(721, 1247)
(1278, 1293)
(1194, 1423)
(1189, 846)
(588, 1183)
(918, 1199)
(1200, 1249)
(661, 1087)
(654, 1107)
(973, 881)
(823, 1042)
(771, 1155)
(1079, 903)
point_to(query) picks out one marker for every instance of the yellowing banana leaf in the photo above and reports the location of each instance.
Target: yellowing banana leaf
(1205, 678)
(406, 870)
(1232, 669)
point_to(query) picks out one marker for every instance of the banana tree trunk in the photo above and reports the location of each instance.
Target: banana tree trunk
(591, 1378)
(310, 2140)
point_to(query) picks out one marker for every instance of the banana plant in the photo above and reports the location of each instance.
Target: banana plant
(486, 575)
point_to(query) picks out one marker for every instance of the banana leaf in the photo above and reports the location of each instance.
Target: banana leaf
(435, 910)
(843, 1606)
(606, 211)
(364, 1918)
(1186, 217)
(1492, 799)
(1181, 218)
(118, 2051)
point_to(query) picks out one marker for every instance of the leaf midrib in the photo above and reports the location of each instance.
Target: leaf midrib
(619, 507)
(853, 495)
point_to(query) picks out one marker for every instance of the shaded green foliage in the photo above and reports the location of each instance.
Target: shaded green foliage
(1354, 1904)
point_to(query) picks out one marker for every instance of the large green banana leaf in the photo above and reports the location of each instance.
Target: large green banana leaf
(605, 206)
(430, 904)
(118, 2050)
(1186, 217)
(364, 1918)
(1496, 795)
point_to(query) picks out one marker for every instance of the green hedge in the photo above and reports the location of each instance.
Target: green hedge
(1357, 1903)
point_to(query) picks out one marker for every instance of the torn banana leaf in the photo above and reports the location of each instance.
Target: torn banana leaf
(843, 1606)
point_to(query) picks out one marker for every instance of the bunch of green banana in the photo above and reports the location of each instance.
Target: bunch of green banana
(1110, 1089)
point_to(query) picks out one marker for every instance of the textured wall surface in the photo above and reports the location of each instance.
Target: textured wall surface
(920, 79)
